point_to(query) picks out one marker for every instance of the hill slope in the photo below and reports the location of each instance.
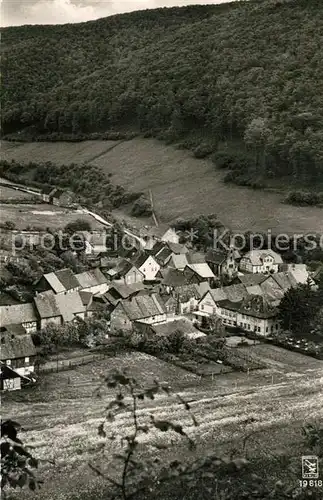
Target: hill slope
(247, 74)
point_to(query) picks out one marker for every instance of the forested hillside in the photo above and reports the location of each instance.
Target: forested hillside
(241, 81)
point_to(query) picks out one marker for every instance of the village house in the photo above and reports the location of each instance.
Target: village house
(92, 281)
(162, 233)
(17, 355)
(95, 242)
(261, 261)
(47, 192)
(200, 272)
(223, 264)
(119, 291)
(163, 250)
(19, 314)
(61, 198)
(148, 309)
(48, 310)
(147, 265)
(209, 303)
(62, 281)
(254, 314)
(125, 271)
(173, 278)
(62, 308)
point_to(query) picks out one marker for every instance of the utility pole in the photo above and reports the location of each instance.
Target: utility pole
(152, 207)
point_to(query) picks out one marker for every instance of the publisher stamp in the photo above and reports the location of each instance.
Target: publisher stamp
(310, 467)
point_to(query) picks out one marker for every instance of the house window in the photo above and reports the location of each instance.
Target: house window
(266, 329)
(258, 328)
(26, 359)
(8, 362)
(202, 308)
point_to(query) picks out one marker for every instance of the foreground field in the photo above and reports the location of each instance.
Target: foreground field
(60, 417)
(42, 216)
(181, 184)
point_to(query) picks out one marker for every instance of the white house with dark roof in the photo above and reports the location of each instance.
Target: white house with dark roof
(125, 271)
(261, 261)
(147, 265)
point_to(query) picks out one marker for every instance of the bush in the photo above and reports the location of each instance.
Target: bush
(141, 208)
(304, 198)
(203, 150)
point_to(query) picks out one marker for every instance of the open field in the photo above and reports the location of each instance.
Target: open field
(61, 415)
(181, 184)
(42, 216)
(7, 193)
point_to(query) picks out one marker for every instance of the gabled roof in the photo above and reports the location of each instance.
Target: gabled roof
(195, 258)
(256, 257)
(254, 306)
(46, 305)
(140, 259)
(235, 293)
(14, 329)
(187, 292)
(125, 291)
(218, 294)
(159, 231)
(177, 248)
(17, 314)
(91, 278)
(284, 280)
(62, 280)
(216, 256)
(122, 268)
(67, 278)
(202, 270)
(48, 189)
(87, 298)
(143, 306)
(16, 346)
(252, 279)
(174, 278)
(177, 261)
(70, 304)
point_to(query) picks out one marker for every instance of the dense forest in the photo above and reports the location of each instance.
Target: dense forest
(239, 81)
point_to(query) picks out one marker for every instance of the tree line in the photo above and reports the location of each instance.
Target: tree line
(241, 79)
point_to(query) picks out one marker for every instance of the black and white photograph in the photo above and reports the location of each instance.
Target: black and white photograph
(161, 249)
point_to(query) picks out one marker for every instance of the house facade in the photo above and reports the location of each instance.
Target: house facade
(148, 266)
(61, 198)
(126, 272)
(223, 264)
(261, 261)
(254, 315)
(18, 352)
(92, 281)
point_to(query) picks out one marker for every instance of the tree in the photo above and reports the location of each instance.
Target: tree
(78, 225)
(298, 308)
(16, 461)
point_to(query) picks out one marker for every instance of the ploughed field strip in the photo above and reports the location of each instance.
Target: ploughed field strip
(61, 423)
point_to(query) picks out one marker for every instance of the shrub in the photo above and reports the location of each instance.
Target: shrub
(141, 208)
(203, 150)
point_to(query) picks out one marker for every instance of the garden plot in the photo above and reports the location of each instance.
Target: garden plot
(8, 194)
(282, 359)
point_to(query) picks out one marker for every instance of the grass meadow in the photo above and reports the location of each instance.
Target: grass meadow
(61, 415)
(182, 185)
(42, 216)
